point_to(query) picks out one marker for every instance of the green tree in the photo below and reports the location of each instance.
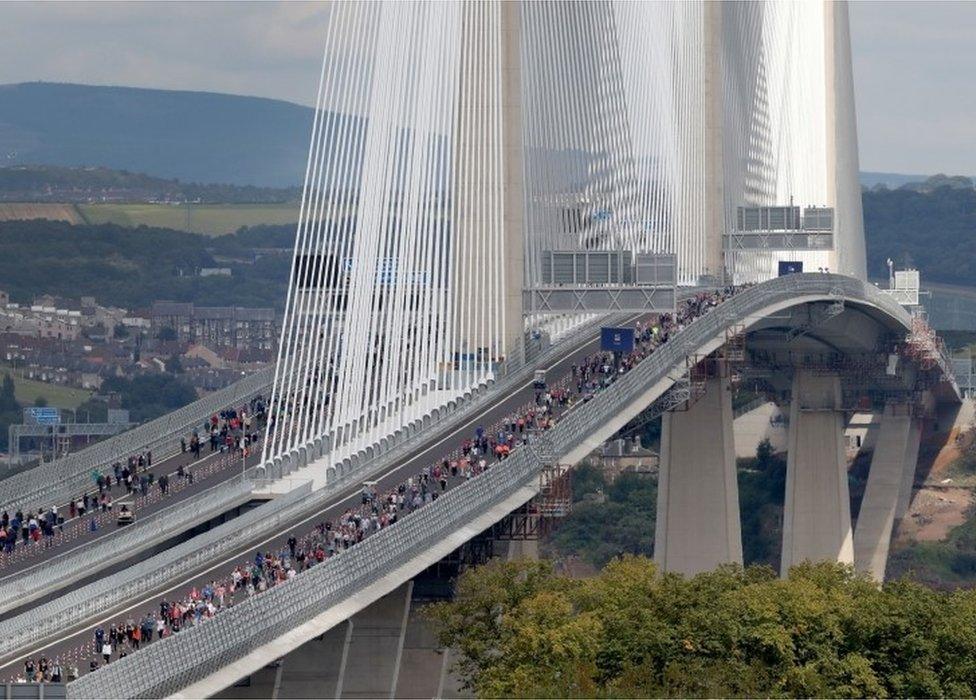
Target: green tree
(120, 332)
(149, 396)
(619, 521)
(173, 364)
(167, 333)
(522, 631)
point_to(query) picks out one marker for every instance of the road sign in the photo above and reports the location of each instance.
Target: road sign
(617, 339)
(42, 415)
(790, 267)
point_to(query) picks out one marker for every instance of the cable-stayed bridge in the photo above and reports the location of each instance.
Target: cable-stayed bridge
(488, 183)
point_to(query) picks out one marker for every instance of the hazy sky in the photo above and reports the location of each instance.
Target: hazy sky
(914, 62)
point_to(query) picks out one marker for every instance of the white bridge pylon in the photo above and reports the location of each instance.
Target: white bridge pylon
(464, 153)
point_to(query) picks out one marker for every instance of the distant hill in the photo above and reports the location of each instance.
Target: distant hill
(892, 181)
(54, 183)
(198, 137)
(193, 136)
(933, 230)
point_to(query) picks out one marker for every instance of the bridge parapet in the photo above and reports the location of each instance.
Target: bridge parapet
(176, 663)
(74, 565)
(57, 481)
(90, 601)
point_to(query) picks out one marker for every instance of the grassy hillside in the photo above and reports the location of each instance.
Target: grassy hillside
(134, 267)
(27, 391)
(208, 219)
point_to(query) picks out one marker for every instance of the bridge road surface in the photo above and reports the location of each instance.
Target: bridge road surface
(77, 531)
(75, 636)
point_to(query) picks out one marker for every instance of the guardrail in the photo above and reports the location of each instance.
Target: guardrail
(98, 597)
(46, 577)
(455, 411)
(91, 600)
(174, 663)
(55, 482)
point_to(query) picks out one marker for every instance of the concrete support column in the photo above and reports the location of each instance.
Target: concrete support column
(375, 647)
(698, 524)
(889, 464)
(817, 515)
(908, 475)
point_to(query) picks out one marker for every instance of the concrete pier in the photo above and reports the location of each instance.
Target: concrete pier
(908, 475)
(698, 524)
(893, 458)
(817, 514)
(375, 647)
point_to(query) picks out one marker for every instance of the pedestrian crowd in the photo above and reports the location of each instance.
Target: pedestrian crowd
(21, 534)
(379, 508)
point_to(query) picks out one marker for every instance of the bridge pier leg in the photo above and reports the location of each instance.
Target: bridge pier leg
(908, 475)
(698, 524)
(894, 457)
(817, 514)
(375, 647)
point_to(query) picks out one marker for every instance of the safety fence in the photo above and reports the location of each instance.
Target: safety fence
(46, 577)
(454, 412)
(88, 602)
(53, 483)
(176, 662)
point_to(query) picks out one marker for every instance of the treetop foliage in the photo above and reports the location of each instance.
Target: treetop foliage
(523, 631)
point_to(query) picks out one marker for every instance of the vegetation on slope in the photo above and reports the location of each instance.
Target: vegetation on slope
(48, 183)
(931, 230)
(193, 136)
(522, 631)
(123, 268)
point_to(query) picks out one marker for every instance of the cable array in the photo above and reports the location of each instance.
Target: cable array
(395, 297)
(456, 144)
(614, 130)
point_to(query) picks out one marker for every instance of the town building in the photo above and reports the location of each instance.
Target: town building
(216, 326)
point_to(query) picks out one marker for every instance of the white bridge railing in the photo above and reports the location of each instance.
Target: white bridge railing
(53, 483)
(170, 665)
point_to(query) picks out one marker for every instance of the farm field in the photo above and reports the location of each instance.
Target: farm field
(206, 219)
(17, 211)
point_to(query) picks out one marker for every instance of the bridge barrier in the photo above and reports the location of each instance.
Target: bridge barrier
(46, 577)
(98, 597)
(53, 483)
(172, 664)
(148, 575)
(457, 410)
(165, 668)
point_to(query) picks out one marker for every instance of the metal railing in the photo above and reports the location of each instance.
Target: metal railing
(46, 577)
(454, 412)
(176, 662)
(90, 601)
(53, 483)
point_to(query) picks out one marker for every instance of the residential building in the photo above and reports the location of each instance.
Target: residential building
(216, 326)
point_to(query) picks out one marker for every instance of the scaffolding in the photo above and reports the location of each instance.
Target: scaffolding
(541, 515)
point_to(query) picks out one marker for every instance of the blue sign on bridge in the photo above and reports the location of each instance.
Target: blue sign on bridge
(790, 267)
(617, 339)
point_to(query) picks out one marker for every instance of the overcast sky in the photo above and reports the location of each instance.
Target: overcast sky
(914, 62)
